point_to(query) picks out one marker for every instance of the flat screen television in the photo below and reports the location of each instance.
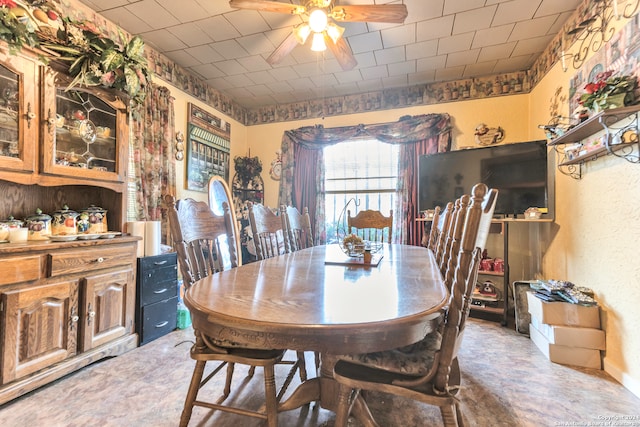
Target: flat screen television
(522, 172)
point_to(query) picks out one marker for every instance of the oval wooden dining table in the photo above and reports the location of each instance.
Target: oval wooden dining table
(319, 299)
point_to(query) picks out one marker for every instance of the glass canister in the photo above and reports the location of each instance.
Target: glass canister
(6, 225)
(39, 225)
(63, 222)
(97, 220)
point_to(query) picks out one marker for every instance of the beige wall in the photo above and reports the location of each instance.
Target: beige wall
(510, 112)
(593, 241)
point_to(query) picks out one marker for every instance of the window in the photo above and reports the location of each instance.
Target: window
(365, 170)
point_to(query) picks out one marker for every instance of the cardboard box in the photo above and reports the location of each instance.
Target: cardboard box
(563, 313)
(571, 336)
(565, 355)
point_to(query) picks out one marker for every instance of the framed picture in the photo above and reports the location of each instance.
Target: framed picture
(208, 148)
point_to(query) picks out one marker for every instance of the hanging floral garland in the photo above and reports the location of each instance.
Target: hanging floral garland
(94, 60)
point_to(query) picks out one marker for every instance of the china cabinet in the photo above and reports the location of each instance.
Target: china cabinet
(63, 304)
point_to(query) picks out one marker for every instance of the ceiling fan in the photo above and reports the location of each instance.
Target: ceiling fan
(320, 23)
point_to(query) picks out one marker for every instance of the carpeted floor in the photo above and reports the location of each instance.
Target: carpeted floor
(506, 382)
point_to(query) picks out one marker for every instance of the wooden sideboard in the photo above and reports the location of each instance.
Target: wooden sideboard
(63, 305)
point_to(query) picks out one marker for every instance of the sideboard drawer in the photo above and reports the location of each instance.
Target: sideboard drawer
(20, 269)
(77, 261)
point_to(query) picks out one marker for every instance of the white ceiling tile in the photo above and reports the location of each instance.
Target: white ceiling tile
(455, 43)
(256, 44)
(231, 67)
(190, 34)
(207, 71)
(229, 49)
(431, 63)
(453, 73)
(398, 36)
(153, 14)
(164, 38)
(422, 49)
(533, 28)
(376, 72)
(421, 10)
(125, 19)
(455, 6)
(498, 51)
(367, 42)
(434, 28)
(476, 19)
(261, 77)
(205, 51)
(462, 58)
(536, 45)
(516, 10)
(387, 56)
(259, 90)
(406, 67)
(247, 22)
(184, 10)
(439, 41)
(480, 69)
(217, 28)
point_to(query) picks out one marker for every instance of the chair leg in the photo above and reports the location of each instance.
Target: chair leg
(317, 360)
(252, 370)
(227, 383)
(449, 415)
(302, 366)
(192, 393)
(344, 405)
(271, 401)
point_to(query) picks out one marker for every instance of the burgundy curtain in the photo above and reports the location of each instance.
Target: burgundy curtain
(410, 230)
(302, 179)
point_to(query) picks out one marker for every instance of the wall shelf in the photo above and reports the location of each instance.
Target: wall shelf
(620, 139)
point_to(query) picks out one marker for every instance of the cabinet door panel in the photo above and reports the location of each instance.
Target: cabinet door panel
(18, 119)
(40, 326)
(106, 307)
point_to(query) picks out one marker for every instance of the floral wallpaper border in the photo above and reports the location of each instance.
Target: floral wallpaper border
(425, 94)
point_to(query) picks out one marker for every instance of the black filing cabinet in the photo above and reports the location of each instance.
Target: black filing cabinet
(157, 296)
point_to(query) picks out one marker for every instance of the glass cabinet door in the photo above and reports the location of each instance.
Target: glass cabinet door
(18, 126)
(85, 132)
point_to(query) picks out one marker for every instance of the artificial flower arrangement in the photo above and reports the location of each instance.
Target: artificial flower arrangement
(94, 60)
(609, 91)
(247, 168)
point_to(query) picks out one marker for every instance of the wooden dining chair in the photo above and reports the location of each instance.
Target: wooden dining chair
(298, 228)
(270, 238)
(205, 244)
(428, 370)
(268, 231)
(371, 225)
(443, 227)
(434, 231)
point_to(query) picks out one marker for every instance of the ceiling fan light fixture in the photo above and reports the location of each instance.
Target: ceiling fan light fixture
(317, 43)
(334, 31)
(302, 32)
(318, 20)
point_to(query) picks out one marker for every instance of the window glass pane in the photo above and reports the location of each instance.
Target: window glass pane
(362, 170)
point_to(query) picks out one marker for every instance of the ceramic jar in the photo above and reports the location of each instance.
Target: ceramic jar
(63, 222)
(93, 220)
(39, 226)
(8, 224)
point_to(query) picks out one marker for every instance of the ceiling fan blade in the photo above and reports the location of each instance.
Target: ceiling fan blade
(267, 6)
(392, 13)
(283, 50)
(342, 52)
